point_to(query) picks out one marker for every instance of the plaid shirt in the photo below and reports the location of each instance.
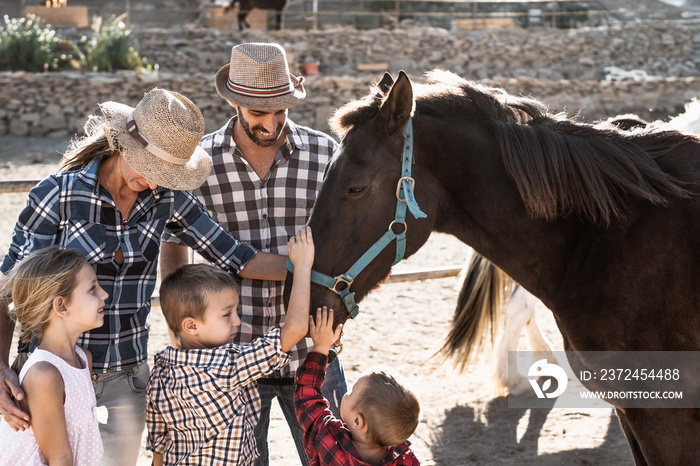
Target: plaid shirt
(265, 213)
(327, 440)
(72, 209)
(203, 404)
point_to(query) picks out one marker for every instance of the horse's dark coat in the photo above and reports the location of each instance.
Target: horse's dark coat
(601, 224)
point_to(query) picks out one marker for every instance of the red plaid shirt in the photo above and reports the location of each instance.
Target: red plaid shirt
(327, 439)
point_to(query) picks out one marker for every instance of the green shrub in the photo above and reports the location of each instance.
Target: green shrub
(28, 44)
(110, 47)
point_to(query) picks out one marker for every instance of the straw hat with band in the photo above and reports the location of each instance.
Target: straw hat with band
(258, 78)
(159, 138)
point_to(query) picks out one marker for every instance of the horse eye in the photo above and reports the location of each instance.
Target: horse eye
(356, 189)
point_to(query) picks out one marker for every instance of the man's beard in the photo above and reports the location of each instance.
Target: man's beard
(253, 137)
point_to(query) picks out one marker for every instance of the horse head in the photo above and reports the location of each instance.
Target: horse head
(357, 203)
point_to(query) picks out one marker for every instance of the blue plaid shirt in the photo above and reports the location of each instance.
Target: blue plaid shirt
(72, 209)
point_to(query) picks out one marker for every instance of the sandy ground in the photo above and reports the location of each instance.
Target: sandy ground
(402, 325)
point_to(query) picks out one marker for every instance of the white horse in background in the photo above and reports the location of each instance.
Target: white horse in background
(688, 121)
(487, 297)
(492, 296)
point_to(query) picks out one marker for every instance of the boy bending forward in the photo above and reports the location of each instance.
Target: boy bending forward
(202, 400)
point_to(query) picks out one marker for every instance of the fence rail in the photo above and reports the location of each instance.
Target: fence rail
(17, 186)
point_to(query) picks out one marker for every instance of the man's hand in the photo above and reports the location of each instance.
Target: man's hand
(9, 389)
(321, 331)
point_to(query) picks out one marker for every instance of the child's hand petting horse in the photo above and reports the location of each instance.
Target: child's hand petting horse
(321, 331)
(301, 249)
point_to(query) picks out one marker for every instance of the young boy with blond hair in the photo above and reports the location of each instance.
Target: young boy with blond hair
(378, 414)
(202, 399)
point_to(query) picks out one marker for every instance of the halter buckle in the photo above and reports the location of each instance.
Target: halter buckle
(398, 186)
(338, 345)
(339, 279)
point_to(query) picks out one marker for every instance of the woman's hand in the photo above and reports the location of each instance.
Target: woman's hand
(10, 390)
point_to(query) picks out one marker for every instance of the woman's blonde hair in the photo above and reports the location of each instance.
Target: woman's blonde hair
(34, 283)
(94, 143)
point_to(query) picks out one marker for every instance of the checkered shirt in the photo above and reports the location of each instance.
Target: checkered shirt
(265, 213)
(327, 440)
(202, 405)
(71, 209)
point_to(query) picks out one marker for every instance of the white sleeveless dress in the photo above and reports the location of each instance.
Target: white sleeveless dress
(81, 418)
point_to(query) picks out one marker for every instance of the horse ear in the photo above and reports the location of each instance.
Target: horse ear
(397, 108)
(385, 83)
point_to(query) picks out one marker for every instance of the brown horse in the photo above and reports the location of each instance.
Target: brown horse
(245, 6)
(600, 224)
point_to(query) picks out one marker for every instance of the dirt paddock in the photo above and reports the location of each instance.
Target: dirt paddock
(401, 325)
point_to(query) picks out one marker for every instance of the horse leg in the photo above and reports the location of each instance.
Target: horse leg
(631, 441)
(242, 21)
(228, 6)
(278, 20)
(518, 312)
(662, 436)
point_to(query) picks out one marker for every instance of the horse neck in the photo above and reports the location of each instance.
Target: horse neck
(480, 204)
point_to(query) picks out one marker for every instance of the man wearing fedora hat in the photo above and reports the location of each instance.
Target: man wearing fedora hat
(267, 172)
(120, 185)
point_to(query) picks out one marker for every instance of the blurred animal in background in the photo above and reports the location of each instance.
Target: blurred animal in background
(689, 121)
(487, 297)
(245, 6)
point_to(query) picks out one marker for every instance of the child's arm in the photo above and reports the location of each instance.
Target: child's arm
(322, 332)
(311, 408)
(157, 428)
(296, 324)
(45, 392)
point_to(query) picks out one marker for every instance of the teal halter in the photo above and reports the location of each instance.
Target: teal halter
(404, 198)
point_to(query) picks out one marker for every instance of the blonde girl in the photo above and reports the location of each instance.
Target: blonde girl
(56, 298)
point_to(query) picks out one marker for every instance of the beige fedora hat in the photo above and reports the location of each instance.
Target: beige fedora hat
(258, 78)
(159, 138)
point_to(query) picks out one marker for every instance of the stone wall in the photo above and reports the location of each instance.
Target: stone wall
(564, 69)
(660, 49)
(55, 104)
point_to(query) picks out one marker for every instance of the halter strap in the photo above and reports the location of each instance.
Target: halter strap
(404, 198)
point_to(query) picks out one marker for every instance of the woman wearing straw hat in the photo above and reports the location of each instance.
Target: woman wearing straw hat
(119, 186)
(267, 172)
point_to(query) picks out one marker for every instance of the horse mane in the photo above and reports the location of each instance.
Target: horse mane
(560, 166)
